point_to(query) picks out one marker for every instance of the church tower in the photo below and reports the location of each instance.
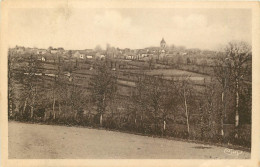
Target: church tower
(163, 43)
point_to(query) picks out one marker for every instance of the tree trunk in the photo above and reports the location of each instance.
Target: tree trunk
(75, 116)
(222, 115)
(201, 123)
(25, 104)
(142, 119)
(45, 115)
(32, 106)
(186, 111)
(59, 109)
(101, 120)
(237, 105)
(53, 108)
(103, 109)
(155, 120)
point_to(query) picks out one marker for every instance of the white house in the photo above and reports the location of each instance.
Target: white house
(129, 57)
(43, 58)
(89, 57)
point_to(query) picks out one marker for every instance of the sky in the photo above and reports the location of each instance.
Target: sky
(137, 28)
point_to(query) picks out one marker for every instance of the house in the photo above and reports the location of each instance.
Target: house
(99, 55)
(41, 51)
(89, 57)
(43, 58)
(129, 57)
(102, 56)
(77, 54)
(54, 51)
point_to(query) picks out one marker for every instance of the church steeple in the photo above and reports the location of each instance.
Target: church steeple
(163, 43)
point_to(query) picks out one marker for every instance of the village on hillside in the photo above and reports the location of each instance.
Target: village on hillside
(162, 52)
(164, 90)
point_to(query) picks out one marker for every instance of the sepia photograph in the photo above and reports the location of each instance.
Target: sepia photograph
(120, 81)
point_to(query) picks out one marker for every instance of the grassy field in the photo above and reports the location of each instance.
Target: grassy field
(173, 72)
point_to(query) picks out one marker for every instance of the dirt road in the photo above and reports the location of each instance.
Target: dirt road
(46, 141)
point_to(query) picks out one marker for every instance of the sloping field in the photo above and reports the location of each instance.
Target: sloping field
(169, 73)
(173, 72)
(33, 141)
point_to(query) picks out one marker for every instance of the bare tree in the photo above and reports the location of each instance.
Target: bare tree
(32, 84)
(78, 99)
(179, 60)
(160, 99)
(184, 96)
(213, 112)
(223, 75)
(11, 87)
(203, 63)
(169, 101)
(139, 98)
(56, 87)
(155, 97)
(98, 48)
(50, 48)
(103, 87)
(237, 56)
(151, 62)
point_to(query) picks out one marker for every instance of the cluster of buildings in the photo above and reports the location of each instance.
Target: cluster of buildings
(92, 53)
(156, 53)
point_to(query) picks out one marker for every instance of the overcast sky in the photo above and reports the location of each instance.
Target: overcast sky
(128, 28)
